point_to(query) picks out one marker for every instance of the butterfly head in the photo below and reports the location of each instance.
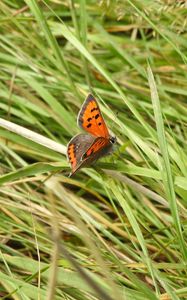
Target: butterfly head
(113, 139)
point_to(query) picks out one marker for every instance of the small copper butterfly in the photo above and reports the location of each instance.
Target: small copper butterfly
(85, 148)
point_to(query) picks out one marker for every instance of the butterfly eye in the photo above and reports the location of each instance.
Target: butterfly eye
(113, 139)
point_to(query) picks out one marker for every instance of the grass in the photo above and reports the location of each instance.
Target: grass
(116, 230)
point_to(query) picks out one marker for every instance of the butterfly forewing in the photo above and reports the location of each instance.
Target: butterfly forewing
(98, 145)
(90, 118)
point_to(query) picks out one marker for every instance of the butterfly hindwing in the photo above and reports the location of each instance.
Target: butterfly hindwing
(76, 148)
(90, 118)
(96, 149)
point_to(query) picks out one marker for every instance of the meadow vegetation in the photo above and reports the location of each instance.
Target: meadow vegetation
(117, 230)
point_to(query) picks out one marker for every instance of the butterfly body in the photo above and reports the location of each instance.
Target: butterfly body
(84, 149)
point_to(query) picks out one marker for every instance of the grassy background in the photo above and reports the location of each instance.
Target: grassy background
(123, 221)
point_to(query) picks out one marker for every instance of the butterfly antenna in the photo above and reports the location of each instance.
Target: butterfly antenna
(114, 120)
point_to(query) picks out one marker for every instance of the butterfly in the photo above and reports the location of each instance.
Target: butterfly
(85, 148)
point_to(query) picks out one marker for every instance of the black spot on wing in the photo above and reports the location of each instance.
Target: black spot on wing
(97, 116)
(99, 123)
(93, 109)
(89, 125)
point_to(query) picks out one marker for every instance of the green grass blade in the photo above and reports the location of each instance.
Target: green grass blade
(166, 171)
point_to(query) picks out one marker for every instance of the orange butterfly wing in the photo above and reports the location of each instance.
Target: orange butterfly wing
(90, 118)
